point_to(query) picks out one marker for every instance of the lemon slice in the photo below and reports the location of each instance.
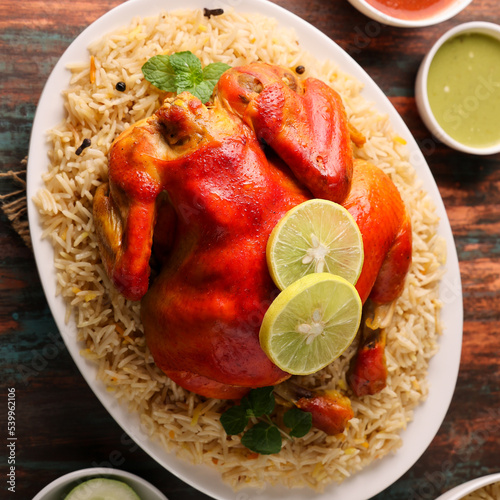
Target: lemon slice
(314, 237)
(311, 323)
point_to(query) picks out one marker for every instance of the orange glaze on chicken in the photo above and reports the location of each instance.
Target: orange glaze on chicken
(303, 122)
(377, 207)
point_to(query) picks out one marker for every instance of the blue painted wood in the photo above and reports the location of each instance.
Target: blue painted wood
(61, 425)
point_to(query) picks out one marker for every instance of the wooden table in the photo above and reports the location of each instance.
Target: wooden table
(60, 424)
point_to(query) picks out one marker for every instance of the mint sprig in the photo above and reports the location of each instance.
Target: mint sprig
(160, 73)
(265, 436)
(262, 438)
(299, 422)
(182, 72)
(259, 401)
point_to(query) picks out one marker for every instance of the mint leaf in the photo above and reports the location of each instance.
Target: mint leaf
(182, 72)
(203, 91)
(262, 438)
(213, 72)
(211, 75)
(234, 420)
(261, 401)
(188, 72)
(186, 62)
(160, 73)
(300, 422)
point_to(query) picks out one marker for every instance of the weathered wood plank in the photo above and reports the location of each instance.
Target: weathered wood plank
(62, 426)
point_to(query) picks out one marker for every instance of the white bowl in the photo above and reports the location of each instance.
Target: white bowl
(63, 485)
(443, 15)
(461, 490)
(422, 98)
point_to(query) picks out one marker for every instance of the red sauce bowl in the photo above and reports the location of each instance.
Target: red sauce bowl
(410, 13)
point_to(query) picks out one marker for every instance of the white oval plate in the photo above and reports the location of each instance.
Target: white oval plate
(444, 366)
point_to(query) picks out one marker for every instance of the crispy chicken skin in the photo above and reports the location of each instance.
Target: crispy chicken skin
(367, 372)
(330, 410)
(303, 122)
(125, 208)
(377, 207)
(203, 187)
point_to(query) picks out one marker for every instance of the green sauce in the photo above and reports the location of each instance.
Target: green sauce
(464, 89)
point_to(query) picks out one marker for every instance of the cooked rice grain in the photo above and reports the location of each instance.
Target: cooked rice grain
(489, 492)
(109, 326)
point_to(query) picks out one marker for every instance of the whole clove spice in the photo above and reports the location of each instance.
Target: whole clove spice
(212, 12)
(85, 144)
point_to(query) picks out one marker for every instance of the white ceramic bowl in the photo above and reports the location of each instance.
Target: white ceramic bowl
(461, 490)
(63, 485)
(443, 15)
(422, 98)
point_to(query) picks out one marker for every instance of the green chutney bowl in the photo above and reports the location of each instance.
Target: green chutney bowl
(457, 89)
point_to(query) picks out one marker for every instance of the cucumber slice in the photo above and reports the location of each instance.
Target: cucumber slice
(102, 489)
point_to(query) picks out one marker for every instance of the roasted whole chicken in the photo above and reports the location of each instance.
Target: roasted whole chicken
(197, 189)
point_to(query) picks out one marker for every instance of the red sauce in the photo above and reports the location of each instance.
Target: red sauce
(410, 9)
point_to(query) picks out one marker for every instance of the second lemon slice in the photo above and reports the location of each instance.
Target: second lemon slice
(314, 237)
(311, 323)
